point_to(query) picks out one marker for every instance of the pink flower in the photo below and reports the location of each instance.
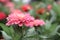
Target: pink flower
(14, 18)
(49, 7)
(38, 22)
(21, 19)
(29, 20)
(30, 24)
(11, 22)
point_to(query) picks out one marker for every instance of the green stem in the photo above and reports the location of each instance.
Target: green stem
(21, 34)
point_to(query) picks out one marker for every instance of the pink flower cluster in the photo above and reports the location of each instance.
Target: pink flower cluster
(4, 1)
(17, 17)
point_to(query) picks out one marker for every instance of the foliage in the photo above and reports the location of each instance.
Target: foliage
(49, 31)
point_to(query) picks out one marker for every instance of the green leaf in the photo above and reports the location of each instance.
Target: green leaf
(5, 28)
(48, 1)
(17, 3)
(34, 38)
(53, 16)
(43, 36)
(4, 9)
(33, 13)
(30, 32)
(53, 29)
(15, 36)
(56, 8)
(47, 26)
(58, 33)
(10, 31)
(50, 29)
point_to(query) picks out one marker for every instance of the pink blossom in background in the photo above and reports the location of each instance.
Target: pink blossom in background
(4, 1)
(10, 5)
(21, 19)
